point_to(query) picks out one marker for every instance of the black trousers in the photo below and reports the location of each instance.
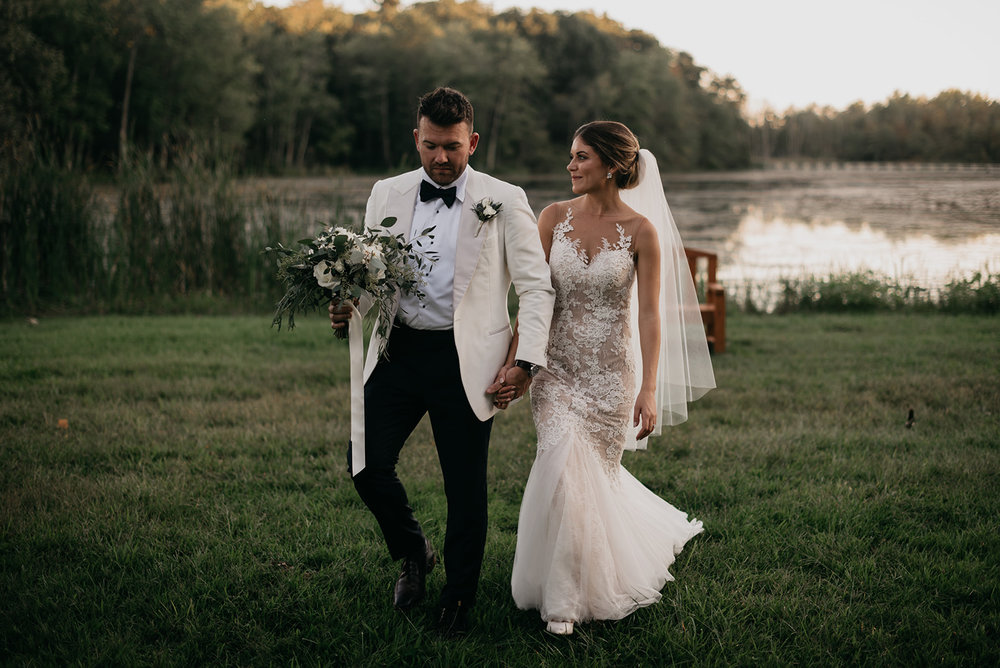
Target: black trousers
(419, 374)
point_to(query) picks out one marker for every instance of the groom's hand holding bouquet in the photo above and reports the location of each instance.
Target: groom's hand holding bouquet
(343, 267)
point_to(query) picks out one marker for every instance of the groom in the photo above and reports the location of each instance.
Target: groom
(447, 353)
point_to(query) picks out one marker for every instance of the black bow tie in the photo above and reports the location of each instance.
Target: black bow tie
(429, 191)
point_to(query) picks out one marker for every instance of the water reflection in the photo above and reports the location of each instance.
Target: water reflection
(764, 249)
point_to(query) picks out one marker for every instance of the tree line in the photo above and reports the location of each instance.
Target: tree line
(92, 82)
(953, 126)
(89, 83)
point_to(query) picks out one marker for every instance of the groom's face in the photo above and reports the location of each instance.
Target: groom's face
(444, 149)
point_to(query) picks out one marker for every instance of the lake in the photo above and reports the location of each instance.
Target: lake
(917, 224)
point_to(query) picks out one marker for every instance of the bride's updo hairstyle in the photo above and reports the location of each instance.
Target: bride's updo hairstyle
(617, 148)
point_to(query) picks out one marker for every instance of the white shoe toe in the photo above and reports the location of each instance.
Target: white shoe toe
(560, 628)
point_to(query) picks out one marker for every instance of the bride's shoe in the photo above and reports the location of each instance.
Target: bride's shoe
(560, 628)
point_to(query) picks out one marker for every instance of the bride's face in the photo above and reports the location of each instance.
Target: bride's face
(586, 170)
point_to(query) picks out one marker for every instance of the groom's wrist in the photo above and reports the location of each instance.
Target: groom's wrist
(529, 368)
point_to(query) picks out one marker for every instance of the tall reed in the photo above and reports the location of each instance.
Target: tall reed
(980, 293)
(138, 245)
(182, 240)
(49, 256)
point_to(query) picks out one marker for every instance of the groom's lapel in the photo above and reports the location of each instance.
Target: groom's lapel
(401, 203)
(469, 245)
(401, 200)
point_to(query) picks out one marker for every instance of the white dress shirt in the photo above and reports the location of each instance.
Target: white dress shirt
(436, 311)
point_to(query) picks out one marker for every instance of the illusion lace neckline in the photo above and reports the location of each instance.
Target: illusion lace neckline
(624, 241)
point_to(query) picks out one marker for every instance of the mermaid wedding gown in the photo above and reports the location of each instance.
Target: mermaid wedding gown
(592, 541)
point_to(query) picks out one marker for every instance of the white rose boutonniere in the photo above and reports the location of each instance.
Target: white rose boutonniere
(486, 210)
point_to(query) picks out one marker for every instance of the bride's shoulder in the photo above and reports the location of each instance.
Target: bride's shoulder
(644, 233)
(554, 214)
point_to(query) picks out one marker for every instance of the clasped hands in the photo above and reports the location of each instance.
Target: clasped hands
(511, 383)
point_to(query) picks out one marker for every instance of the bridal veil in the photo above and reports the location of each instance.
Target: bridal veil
(685, 368)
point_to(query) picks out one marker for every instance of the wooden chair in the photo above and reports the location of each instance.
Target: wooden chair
(713, 309)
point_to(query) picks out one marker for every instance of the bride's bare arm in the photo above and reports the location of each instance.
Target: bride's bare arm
(648, 282)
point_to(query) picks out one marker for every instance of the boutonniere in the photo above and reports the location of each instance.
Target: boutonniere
(486, 210)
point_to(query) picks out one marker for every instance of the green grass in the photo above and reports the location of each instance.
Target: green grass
(197, 509)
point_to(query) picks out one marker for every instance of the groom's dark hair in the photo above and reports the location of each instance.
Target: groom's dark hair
(444, 107)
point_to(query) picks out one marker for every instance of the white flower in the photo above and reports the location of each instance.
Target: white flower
(324, 276)
(486, 210)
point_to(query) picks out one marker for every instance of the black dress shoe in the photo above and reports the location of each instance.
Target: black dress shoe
(410, 587)
(453, 621)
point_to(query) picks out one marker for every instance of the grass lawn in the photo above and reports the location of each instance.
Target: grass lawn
(194, 506)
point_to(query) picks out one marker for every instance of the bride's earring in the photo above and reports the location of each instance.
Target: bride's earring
(609, 175)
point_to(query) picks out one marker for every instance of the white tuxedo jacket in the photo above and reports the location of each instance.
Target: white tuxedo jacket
(506, 250)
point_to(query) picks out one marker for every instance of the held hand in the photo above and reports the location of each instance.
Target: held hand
(505, 392)
(519, 379)
(498, 382)
(511, 383)
(505, 396)
(644, 414)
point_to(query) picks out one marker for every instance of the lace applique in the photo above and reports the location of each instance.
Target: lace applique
(587, 390)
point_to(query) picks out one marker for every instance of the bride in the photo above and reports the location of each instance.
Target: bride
(592, 541)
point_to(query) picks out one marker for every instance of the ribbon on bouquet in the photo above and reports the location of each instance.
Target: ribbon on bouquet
(356, 336)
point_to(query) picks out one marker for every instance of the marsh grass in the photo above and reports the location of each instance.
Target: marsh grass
(48, 236)
(867, 291)
(187, 240)
(196, 509)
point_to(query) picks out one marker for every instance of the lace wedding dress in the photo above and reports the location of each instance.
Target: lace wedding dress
(592, 541)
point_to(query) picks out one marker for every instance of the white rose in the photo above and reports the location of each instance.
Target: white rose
(488, 210)
(324, 276)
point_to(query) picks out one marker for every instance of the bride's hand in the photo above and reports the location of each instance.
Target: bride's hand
(507, 388)
(644, 414)
(505, 396)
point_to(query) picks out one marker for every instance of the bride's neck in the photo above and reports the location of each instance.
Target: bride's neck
(604, 203)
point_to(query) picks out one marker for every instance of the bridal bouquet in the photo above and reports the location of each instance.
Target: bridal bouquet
(342, 265)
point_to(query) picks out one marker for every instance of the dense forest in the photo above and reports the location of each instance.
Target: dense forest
(90, 82)
(310, 85)
(951, 127)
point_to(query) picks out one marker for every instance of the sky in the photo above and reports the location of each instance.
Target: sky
(788, 53)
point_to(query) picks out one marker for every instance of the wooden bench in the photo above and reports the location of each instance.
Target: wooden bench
(713, 309)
